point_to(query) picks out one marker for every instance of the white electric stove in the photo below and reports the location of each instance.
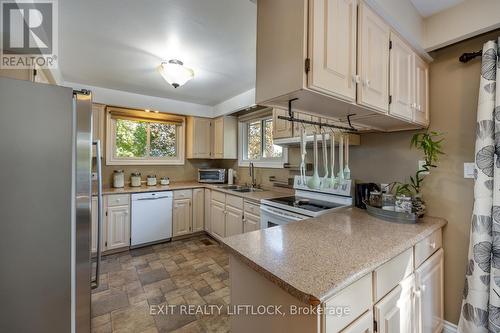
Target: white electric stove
(306, 203)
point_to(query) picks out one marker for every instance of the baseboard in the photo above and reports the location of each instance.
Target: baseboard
(449, 327)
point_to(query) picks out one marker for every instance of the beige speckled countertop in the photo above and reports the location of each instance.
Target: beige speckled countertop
(254, 196)
(315, 258)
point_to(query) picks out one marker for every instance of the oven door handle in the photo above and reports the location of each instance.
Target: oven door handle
(282, 214)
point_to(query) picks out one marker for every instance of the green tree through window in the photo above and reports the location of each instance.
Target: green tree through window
(141, 139)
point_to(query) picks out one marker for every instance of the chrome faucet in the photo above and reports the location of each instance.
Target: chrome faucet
(252, 174)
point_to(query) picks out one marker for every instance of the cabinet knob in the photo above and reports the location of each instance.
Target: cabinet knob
(367, 83)
(356, 79)
(433, 245)
(419, 108)
(413, 105)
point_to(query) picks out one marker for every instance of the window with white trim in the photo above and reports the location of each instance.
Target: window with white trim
(256, 144)
(136, 139)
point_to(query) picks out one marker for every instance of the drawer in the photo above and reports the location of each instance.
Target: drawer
(118, 200)
(363, 324)
(387, 276)
(234, 201)
(252, 208)
(219, 196)
(425, 248)
(357, 297)
(183, 194)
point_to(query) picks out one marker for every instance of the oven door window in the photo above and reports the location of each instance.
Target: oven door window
(210, 175)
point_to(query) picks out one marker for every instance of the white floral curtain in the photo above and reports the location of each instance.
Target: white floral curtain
(480, 310)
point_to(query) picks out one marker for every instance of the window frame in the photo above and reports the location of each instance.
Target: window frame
(262, 162)
(112, 159)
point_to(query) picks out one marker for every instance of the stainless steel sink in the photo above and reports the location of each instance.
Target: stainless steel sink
(239, 188)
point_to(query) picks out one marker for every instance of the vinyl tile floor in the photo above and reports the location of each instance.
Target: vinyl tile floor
(139, 286)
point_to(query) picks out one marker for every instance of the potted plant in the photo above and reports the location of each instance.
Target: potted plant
(430, 144)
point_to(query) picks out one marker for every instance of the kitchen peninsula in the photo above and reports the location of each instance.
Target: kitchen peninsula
(341, 259)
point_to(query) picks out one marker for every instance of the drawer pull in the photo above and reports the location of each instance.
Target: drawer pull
(433, 245)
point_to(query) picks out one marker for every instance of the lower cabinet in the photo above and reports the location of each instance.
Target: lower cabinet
(251, 222)
(198, 209)
(218, 218)
(208, 201)
(234, 221)
(394, 312)
(429, 279)
(117, 227)
(182, 217)
(93, 245)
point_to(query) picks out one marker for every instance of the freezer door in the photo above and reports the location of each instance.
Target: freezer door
(37, 208)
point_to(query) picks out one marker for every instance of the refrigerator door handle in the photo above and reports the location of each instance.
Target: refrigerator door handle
(95, 282)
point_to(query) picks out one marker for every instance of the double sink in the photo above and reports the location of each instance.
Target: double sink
(239, 188)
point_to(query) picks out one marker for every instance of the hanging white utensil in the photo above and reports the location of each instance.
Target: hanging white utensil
(303, 160)
(341, 158)
(347, 171)
(324, 180)
(314, 182)
(333, 179)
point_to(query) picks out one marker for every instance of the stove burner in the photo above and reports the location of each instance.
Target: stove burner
(300, 202)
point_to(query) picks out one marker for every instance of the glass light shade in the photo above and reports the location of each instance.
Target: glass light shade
(175, 73)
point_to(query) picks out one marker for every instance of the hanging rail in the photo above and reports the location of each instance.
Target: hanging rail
(292, 119)
(468, 56)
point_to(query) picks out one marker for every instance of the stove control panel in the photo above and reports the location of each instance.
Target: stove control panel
(339, 187)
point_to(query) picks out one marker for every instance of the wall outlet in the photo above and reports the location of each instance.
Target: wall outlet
(469, 169)
(421, 167)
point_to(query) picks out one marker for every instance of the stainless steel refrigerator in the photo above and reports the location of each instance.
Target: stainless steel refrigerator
(45, 208)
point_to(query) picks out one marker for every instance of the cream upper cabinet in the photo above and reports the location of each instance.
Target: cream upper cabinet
(234, 221)
(429, 294)
(199, 137)
(394, 313)
(98, 121)
(421, 106)
(402, 81)
(281, 128)
(373, 60)
(217, 218)
(117, 227)
(225, 135)
(198, 209)
(182, 217)
(208, 200)
(332, 47)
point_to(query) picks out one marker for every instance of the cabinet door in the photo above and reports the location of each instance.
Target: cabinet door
(182, 215)
(98, 116)
(373, 60)
(429, 291)
(198, 209)
(281, 128)
(118, 227)
(93, 247)
(218, 151)
(421, 110)
(202, 138)
(251, 222)
(234, 221)
(333, 47)
(394, 313)
(402, 80)
(363, 324)
(218, 218)
(208, 199)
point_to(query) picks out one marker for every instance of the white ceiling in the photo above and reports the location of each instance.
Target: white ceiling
(119, 44)
(430, 7)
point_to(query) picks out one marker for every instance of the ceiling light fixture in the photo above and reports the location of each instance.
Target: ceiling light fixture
(175, 73)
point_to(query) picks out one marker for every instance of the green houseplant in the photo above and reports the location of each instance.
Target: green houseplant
(430, 144)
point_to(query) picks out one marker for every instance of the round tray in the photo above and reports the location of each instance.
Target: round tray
(392, 216)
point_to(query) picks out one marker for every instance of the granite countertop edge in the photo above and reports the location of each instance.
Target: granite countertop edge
(314, 300)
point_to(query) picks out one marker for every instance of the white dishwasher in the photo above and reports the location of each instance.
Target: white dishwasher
(151, 217)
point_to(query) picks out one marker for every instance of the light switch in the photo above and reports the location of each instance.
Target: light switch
(469, 169)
